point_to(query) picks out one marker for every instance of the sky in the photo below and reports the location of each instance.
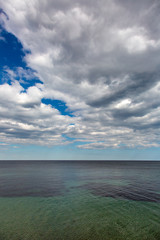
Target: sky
(80, 80)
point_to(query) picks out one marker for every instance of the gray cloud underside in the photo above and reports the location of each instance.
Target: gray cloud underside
(102, 59)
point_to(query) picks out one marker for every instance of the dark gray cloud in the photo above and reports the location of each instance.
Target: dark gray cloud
(136, 84)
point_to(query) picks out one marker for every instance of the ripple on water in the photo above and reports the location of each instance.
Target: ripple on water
(131, 192)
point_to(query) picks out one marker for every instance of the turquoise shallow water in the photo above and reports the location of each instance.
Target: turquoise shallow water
(75, 200)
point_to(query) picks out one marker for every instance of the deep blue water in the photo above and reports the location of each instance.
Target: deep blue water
(139, 181)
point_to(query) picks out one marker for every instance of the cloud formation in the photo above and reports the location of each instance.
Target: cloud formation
(101, 59)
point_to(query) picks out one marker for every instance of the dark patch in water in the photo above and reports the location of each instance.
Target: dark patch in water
(31, 189)
(131, 192)
(30, 179)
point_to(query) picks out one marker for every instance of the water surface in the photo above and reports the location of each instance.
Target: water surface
(79, 200)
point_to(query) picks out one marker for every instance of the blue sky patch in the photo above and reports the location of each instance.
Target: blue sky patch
(11, 50)
(12, 56)
(59, 105)
(68, 138)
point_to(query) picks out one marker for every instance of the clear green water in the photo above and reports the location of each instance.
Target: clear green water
(41, 201)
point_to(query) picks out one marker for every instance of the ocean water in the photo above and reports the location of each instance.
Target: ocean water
(73, 200)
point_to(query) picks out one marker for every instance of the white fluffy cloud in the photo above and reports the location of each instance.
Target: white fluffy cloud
(101, 59)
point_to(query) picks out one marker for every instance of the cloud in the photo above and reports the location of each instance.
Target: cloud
(101, 60)
(24, 119)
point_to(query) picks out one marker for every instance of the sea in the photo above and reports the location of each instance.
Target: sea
(79, 200)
